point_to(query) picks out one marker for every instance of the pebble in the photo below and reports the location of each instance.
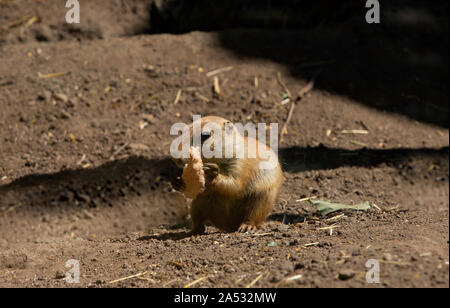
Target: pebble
(61, 97)
(346, 274)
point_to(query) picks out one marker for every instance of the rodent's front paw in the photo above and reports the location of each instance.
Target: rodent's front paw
(211, 171)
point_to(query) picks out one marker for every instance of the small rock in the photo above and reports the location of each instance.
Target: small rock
(346, 274)
(61, 97)
(59, 275)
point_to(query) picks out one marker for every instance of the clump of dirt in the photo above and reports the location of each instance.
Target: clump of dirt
(85, 170)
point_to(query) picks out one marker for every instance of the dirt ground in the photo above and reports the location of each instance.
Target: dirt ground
(85, 173)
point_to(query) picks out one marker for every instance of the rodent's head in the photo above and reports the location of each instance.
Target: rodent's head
(207, 133)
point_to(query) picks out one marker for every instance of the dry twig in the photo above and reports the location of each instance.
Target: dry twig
(218, 71)
(194, 282)
(177, 98)
(305, 90)
(129, 277)
(281, 83)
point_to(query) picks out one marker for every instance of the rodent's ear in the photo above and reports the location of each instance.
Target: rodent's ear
(229, 128)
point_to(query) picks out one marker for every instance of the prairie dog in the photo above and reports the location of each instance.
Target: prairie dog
(239, 194)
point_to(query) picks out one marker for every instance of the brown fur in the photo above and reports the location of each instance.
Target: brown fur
(238, 195)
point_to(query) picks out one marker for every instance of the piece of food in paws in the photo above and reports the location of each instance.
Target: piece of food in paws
(193, 175)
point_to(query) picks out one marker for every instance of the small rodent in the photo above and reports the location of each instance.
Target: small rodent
(238, 194)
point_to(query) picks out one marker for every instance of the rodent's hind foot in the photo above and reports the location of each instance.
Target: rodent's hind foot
(247, 228)
(197, 230)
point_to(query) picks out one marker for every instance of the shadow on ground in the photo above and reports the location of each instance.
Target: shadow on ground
(297, 159)
(134, 177)
(400, 65)
(138, 177)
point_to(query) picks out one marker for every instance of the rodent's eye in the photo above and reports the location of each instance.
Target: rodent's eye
(205, 135)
